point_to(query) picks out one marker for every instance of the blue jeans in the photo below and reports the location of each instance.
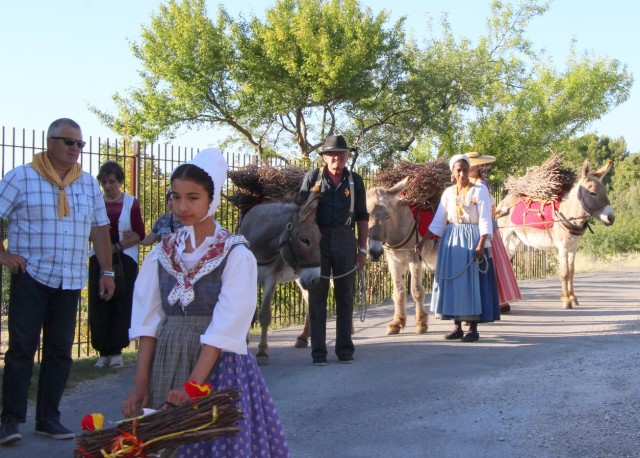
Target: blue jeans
(33, 308)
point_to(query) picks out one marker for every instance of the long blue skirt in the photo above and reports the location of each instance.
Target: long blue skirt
(463, 289)
(261, 433)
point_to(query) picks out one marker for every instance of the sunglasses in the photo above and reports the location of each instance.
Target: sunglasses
(71, 141)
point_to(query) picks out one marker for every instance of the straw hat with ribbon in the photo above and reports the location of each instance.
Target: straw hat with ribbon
(475, 158)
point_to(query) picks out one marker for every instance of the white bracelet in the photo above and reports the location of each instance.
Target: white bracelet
(363, 250)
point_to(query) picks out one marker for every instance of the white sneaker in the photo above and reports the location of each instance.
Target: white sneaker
(116, 361)
(103, 361)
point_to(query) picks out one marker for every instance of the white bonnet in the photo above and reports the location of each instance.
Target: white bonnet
(212, 161)
(458, 158)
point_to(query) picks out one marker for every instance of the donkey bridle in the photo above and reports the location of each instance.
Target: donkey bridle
(286, 241)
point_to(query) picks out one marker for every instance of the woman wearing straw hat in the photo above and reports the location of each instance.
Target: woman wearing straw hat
(464, 286)
(508, 290)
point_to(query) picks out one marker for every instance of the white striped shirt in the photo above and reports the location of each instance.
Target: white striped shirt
(55, 249)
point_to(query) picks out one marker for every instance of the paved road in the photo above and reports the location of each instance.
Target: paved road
(544, 382)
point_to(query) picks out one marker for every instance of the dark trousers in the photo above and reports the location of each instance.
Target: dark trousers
(109, 321)
(33, 308)
(338, 248)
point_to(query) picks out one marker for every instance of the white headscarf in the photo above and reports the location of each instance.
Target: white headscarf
(458, 158)
(212, 161)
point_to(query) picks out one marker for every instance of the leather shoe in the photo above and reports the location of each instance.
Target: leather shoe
(455, 334)
(471, 337)
(319, 361)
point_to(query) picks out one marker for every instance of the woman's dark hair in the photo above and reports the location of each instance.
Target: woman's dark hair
(194, 173)
(111, 168)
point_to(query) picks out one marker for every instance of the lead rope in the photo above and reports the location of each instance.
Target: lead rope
(363, 297)
(362, 293)
(484, 258)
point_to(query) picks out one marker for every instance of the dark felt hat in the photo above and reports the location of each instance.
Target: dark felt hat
(335, 144)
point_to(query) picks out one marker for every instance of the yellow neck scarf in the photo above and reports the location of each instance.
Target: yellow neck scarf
(42, 165)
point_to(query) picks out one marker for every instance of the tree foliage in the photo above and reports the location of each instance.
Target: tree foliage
(316, 67)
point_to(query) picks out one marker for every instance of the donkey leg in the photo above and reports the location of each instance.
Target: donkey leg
(563, 273)
(262, 356)
(571, 258)
(302, 341)
(399, 277)
(417, 292)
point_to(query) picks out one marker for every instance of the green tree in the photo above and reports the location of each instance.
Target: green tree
(627, 174)
(317, 67)
(597, 150)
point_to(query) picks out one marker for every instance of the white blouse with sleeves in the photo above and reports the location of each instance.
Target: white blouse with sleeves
(475, 210)
(232, 314)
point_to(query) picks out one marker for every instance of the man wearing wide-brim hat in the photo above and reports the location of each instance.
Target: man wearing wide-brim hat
(342, 207)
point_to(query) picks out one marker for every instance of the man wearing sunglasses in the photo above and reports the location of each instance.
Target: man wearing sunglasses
(53, 209)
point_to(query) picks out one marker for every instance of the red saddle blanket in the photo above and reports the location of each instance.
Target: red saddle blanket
(534, 213)
(426, 216)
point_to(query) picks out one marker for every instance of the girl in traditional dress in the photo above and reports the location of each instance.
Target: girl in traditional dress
(193, 304)
(464, 287)
(508, 290)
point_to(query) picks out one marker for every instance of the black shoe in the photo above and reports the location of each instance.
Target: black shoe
(53, 429)
(455, 334)
(320, 361)
(9, 433)
(346, 360)
(471, 337)
(505, 309)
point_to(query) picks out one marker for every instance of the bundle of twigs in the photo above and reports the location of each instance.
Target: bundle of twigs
(256, 184)
(426, 180)
(204, 418)
(546, 182)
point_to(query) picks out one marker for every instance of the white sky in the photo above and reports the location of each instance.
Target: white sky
(58, 57)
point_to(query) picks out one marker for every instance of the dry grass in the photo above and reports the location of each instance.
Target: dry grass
(585, 263)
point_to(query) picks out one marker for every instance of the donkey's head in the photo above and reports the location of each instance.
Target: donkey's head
(300, 242)
(381, 205)
(592, 193)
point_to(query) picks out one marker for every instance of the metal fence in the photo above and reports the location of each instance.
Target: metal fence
(147, 170)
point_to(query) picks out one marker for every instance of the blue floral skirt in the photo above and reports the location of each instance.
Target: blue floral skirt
(261, 434)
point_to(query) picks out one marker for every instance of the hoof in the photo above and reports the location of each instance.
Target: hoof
(393, 329)
(301, 342)
(421, 328)
(567, 305)
(263, 360)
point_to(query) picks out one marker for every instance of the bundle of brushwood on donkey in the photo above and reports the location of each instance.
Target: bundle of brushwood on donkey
(206, 417)
(425, 184)
(547, 182)
(259, 184)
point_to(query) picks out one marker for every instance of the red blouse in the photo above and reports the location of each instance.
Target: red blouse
(113, 212)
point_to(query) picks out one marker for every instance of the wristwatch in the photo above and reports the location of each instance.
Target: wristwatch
(363, 250)
(107, 273)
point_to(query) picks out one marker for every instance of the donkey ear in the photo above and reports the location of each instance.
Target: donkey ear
(603, 170)
(310, 206)
(399, 186)
(586, 169)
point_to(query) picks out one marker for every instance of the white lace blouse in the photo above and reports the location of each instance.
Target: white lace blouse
(232, 314)
(476, 209)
